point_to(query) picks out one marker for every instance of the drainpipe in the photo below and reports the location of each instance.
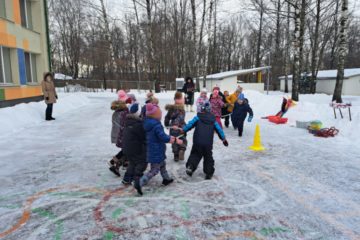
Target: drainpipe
(47, 34)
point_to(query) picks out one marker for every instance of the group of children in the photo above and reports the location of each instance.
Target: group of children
(139, 133)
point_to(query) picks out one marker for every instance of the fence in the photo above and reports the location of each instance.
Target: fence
(93, 85)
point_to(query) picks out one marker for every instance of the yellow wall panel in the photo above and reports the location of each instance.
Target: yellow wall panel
(22, 92)
(3, 27)
(7, 40)
(26, 45)
(16, 9)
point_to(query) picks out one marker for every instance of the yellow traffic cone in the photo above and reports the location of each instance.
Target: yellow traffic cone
(257, 146)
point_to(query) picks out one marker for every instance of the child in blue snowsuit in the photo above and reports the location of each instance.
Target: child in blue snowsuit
(241, 109)
(156, 139)
(205, 125)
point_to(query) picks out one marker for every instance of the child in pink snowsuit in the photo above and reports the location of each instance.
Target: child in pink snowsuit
(216, 105)
(201, 100)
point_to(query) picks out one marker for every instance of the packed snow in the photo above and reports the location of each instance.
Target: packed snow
(55, 182)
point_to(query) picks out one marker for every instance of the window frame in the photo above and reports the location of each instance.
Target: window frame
(4, 72)
(28, 23)
(3, 4)
(32, 74)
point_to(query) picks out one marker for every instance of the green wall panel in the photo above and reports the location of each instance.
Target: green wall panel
(2, 94)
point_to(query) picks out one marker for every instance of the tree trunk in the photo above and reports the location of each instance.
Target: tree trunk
(277, 54)
(342, 51)
(199, 48)
(287, 50)
(258, 48)
(296, 66)
(336, 36)
(314, 52)
(209, 40)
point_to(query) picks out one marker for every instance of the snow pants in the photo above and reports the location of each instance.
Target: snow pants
(176, 147)
(155, 168)
(136, 168)
(240, 126)
(218, 120)
(197, 153)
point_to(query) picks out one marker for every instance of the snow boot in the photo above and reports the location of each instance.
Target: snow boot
(208, 177)
(189, 171)
(127, 183)
(166, 182)
(176, 157)
(115, 170)
(181, 155)
(138, 187)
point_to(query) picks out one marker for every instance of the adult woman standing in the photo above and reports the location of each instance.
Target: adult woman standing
(189, 90)
(50, 96)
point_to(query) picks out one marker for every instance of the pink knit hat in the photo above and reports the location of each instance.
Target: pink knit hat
(122, 96)
(151, 109)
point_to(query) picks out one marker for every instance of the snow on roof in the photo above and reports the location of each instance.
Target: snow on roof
(331, 74)
(222, 75)
(61, 76)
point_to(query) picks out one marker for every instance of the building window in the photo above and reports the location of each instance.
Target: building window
(30, 63)
(2, 9)
(26, 15)
(5, 66)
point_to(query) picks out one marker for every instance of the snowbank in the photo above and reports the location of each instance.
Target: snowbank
(26, 115)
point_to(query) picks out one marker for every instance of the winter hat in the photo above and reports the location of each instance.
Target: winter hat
(131, 97)
(151, 109)
(204, 90)
(205, 106)
(134, 108)
(239, 89)
(216, 88)
(241, 96)
(122, 96)
(178, 95)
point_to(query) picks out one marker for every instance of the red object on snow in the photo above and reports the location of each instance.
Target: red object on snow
(277, 119)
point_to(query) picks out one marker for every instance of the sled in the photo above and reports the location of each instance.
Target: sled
(277, 119)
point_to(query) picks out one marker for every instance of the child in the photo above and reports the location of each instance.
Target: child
(205, 125)
(118, 126)
(241, 109)
(216, 105)
(224, 111)
(155, 142)
(134, 145)
(150, 98)
(176, 117)
(201, 100)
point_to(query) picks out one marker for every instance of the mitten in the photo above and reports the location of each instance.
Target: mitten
(250, 118)
(225, 142)
(56, 96)
(47, 98)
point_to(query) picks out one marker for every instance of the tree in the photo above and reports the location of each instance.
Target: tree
(342, 52)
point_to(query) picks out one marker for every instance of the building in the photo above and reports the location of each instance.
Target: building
(23, 50)
(231, 79)
(326, 79)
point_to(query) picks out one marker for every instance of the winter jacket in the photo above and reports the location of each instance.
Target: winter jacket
(205, 126)
(155, 140)
(199, 102)
(48, 89)
(240, 111)
(216, 105)
(231, 99)
(118, 122)
(189, 89)
(175, 117)
(134, 140)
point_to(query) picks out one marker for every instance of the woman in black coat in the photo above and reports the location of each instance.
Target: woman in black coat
(189, 90)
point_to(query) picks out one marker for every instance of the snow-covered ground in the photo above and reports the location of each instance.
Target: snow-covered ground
(54, 181)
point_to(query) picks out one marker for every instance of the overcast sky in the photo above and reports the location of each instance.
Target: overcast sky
(226, 9)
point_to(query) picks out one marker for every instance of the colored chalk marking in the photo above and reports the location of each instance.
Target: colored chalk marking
(129, 203)
(11, 206)
(117, 213)
(185, 210)
(180, 235)
(109, 235)
(268, 231)
(59, 224)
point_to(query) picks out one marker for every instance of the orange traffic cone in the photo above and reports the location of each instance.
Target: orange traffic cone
(257, 146)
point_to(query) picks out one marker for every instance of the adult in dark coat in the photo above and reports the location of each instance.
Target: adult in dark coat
(189, 90)
(238, 116)
(134, 145)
